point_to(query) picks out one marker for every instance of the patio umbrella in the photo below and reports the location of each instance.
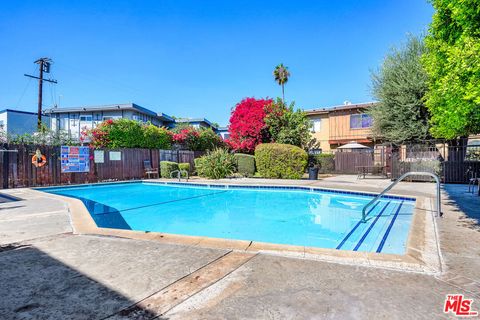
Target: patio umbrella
(353, 145)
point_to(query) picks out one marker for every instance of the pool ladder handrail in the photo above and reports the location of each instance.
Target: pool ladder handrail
(179, 174)
(403, 176)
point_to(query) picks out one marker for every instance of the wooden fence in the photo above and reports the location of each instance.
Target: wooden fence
(347, 162)
(16, 169)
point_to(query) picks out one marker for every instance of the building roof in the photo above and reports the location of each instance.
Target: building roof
(195, 120)
(18, 111)
(327, 110)
(112, 107)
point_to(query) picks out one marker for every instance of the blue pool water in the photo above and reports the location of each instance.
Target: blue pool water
(318, 218)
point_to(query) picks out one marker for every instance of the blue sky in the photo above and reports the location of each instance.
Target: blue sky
(199, 58)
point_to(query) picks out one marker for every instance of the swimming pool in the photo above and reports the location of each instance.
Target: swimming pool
(282, 215)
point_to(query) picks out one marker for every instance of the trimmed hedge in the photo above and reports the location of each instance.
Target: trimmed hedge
(324, 161)
(184, 166)
(276, 160)
(245, 164)
(167, 167)
(216, 164)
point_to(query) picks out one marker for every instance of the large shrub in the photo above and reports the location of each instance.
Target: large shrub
(167, 167)
(202, 139)
(156, 138)
(125, 133)
(216, 164)
(275, 160)
(245, 164)
(325, 162)
(247, 126)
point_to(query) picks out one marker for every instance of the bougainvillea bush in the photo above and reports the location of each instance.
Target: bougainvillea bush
(190, 138)
(247, 126)
(125, 133)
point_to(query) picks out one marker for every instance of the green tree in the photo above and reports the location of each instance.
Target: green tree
(286, 125)
(281, 75)
(452, 62)
(400, 86)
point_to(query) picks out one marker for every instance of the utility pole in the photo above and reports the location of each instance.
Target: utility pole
(44, 65)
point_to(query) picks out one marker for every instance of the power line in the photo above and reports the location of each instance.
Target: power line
(23, 93)
(44, 67)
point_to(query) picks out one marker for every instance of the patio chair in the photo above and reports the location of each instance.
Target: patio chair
(473, 179)
(149, 171)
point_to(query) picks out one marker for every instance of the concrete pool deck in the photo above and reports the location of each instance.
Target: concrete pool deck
(50, 272)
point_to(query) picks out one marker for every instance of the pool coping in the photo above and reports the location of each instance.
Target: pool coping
(422, 255)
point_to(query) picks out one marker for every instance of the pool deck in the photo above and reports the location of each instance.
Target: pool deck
(48, 271)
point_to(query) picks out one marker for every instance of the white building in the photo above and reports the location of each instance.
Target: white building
(74, 120)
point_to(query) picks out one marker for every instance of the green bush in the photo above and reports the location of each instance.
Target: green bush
(245, 164)
(216, 164)
(125, 133)
(167, 167)
(276, 160)
(184, 166)
(156, 138)
(324, 161)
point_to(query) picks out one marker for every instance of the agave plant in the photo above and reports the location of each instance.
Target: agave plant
(281, 75)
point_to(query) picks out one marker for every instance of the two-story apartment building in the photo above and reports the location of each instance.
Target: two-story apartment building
(74, 120)
(339, 125)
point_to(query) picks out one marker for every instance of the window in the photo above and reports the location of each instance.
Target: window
(85, 118)
(107, 118)
(360, 121)
(2, 124)
(139, 117)
(316, 125)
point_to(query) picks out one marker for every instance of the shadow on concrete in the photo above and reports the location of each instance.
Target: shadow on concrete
(4, 198)
(464, 201)
(34, 285)
(12, 207)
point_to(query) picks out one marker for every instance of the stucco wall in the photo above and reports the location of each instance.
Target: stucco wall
(322, 135)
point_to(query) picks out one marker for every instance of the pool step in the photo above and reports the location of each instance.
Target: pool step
(378, 235)
(350, 241)
(373, 235)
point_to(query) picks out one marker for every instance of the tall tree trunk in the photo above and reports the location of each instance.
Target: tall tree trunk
(283, 94)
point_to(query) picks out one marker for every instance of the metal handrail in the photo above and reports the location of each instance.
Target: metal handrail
(179, 174)
(437, 180)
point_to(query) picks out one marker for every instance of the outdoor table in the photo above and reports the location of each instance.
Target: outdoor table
(363, 170)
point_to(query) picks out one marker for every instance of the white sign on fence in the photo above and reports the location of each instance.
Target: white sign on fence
(99, 156)
(115, 155)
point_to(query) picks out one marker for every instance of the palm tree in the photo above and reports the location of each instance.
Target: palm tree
(281, 75)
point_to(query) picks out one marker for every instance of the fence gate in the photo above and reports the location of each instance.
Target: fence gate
(451, 163)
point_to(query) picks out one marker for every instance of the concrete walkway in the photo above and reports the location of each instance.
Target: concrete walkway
(46, 272)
